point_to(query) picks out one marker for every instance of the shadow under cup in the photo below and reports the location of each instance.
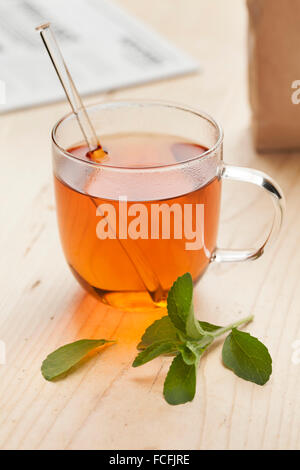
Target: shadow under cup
(171, 208)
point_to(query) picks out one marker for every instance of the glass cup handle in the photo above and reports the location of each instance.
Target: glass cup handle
(248, 175)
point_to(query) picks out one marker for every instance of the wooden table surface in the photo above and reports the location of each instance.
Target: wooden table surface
(106, 404)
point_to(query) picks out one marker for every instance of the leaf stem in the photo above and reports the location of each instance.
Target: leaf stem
(223, 330)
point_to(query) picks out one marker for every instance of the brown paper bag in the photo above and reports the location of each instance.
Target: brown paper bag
(274, 67)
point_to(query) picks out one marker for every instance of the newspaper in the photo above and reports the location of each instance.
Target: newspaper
(104, 47)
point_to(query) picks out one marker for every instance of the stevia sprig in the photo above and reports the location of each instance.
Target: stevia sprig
(181, 334)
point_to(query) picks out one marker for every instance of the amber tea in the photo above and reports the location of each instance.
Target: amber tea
(165, 232)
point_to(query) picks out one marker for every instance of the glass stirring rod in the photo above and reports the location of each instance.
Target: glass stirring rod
(96, 152)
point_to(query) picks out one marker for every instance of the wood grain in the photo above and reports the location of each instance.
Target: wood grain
(106, 404)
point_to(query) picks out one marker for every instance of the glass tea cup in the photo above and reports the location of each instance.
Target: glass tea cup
(149, 212)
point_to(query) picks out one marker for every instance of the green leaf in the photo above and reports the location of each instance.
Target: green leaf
(180, 383)
(209, 327)
(247, 357)
(180, 307)
(61, 360)
(155, 350)
(189, 356)
(193, 350)
(161, 330)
